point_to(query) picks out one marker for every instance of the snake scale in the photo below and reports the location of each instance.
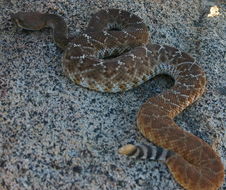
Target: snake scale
(114, 54)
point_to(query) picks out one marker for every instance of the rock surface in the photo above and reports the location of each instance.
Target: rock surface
(57, 135)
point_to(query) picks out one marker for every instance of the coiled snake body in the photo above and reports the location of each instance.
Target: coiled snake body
(113, 55)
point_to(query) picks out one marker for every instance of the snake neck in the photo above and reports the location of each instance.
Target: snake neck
(60, 30)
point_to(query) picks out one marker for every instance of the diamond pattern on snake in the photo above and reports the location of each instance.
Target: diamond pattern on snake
(115, 54)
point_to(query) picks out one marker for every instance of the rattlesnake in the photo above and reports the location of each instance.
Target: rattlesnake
(114, 55)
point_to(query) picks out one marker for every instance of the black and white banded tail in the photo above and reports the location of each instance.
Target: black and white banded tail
(146, 151)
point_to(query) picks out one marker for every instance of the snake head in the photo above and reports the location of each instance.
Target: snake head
(29, 20)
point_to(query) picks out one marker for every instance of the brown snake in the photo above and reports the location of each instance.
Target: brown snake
(114, 55)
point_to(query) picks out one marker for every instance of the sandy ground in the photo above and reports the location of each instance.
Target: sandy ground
(57, 135)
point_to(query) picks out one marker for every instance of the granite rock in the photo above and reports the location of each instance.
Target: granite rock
(57, 135)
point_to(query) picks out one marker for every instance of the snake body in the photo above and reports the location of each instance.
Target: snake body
(113, 55)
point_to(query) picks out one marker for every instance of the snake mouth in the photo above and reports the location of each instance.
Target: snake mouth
(16, 20)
